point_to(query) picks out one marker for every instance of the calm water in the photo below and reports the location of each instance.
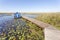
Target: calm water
(5, 18)
(30, 15)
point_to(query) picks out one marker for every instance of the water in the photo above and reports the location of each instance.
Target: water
(30, 15)
(5, 18)
(16, 28)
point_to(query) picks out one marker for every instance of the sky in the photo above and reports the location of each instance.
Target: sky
(30, 5)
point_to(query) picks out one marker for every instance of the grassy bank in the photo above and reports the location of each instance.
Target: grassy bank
(51, 18)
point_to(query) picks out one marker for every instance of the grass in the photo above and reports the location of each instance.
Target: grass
(51, 18)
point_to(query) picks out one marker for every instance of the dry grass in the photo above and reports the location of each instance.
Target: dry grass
(52, 18)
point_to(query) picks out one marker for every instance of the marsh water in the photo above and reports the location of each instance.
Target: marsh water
(11, 28)
(6, 19)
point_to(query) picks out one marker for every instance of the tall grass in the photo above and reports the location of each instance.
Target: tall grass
(51, 18)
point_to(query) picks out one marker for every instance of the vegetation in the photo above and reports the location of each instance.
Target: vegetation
(18, 29)
(36, 32)
(51, 18)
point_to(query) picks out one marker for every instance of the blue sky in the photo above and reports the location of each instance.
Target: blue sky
(30, 5)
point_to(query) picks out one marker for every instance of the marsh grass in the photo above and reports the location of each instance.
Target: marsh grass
(50, 18)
